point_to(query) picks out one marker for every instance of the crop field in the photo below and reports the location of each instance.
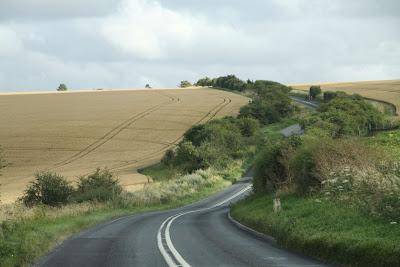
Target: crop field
(387, 91)
(73, 133)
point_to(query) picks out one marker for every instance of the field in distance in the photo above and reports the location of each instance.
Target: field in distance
(75, 132)
(387, 91)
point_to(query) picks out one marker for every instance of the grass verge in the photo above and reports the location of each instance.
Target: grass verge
(323, 229)
(25, 238)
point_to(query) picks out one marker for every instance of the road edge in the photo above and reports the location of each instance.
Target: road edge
(253, 232)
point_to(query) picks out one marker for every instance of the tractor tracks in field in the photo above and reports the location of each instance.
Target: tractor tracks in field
(207, 117)
(115, 131)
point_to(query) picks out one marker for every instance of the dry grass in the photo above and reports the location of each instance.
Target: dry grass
(73, 133)
(387, 91)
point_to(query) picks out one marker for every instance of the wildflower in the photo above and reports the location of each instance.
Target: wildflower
(393, 222)
(345, 181)
(327, 193)
(318, 200)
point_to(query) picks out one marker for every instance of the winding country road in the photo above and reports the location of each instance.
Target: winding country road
(196, 235)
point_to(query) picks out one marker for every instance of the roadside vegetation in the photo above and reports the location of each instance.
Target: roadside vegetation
(338, 185)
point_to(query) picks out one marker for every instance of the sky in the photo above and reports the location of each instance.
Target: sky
(129, 43)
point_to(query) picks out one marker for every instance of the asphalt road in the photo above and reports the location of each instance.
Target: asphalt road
(197, 235)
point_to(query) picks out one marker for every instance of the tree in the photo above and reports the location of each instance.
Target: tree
(314, 91)
(204, 82)
(147, 86)
(185, 84)
(62, 87)
(328, 96)
(49, 189)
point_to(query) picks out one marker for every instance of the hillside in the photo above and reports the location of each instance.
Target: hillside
(385, 90)
(75, 132)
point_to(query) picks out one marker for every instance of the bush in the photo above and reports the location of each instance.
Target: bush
(248, 126)
(269, 106)
(168, 158)
(187, 157)
(314, 91)
(62, 87)
(98, 186)
(48, 189)
(204, 82)
(348, 115)
(271, 172)
(328, 96)
(185, 84)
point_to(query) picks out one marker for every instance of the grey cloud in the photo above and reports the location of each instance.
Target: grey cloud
(127, 43)
(16, 10)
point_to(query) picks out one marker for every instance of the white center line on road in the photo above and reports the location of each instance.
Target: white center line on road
(174, 258)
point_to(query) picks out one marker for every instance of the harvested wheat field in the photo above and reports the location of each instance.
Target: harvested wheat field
(73, 133)
(387, 91)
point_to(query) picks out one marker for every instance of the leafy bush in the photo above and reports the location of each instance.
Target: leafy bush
(187, 157)
(49, 189)
(314, 91)
(328, 96)
(248, 126)
(98, 186)
(230, 82)
(271, 168)
(168, 158)
(269, 106)
(185, 84)
(204, 82)
(347, 115)
(62, 87)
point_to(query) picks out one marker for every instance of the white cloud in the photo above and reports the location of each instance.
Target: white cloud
(147, 30)
(128, 43)
(10, 44)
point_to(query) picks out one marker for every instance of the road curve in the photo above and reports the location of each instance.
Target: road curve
(196, 235)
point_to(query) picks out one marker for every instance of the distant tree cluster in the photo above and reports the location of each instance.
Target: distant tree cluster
(230, 82)
(314, 91)
(185, 84)
(62, 87)
(270, 100)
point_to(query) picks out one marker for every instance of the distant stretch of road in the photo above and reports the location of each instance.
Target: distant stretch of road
(311, 104)
(196, 235)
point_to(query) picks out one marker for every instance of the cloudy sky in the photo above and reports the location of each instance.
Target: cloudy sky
(128, 43)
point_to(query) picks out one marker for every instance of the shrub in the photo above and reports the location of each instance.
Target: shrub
(269, 106)
(248, 126)
(328, 96)
(168, 158)
(187, 157)
(314, 91)
(185, 84)
(348, 115)
(98, 186)
(62, 87)
(49, 189)
(204, 82)
(271, 171)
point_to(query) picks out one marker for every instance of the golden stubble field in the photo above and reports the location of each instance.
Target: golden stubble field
(387, 91)
(75, 132)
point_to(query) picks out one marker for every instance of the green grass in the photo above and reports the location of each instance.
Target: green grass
(323, 229)
(388, 141)
(160, 172)
(272, 131)
(23, 241)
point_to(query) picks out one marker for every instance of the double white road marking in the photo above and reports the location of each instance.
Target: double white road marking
(164, 242)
